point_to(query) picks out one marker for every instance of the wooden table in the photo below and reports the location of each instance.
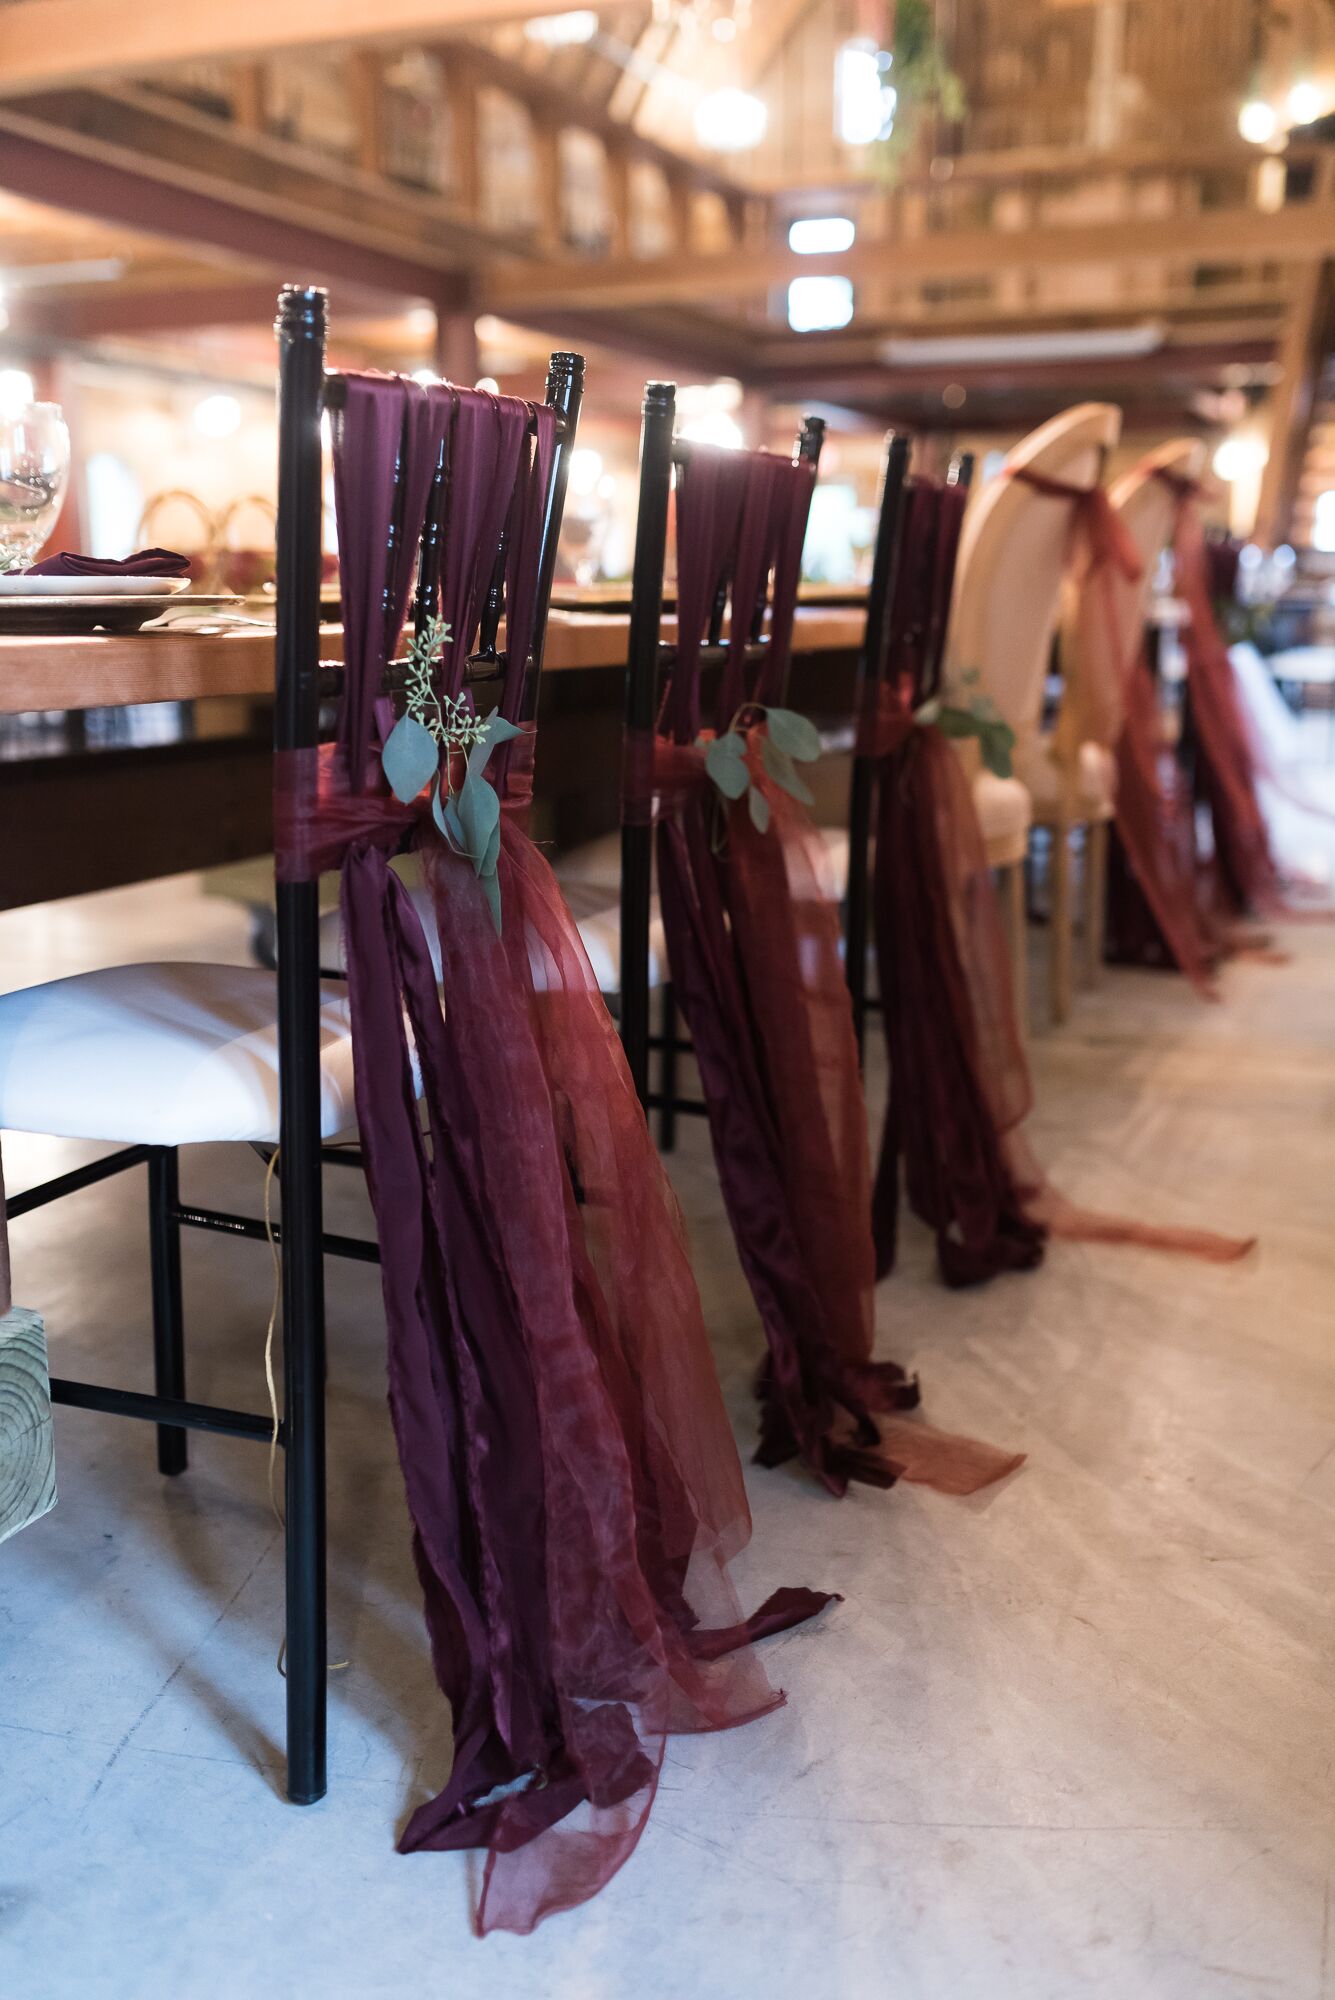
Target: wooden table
(104, 671)
(128, 814)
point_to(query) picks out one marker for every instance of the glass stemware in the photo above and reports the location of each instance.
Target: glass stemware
(34, 470)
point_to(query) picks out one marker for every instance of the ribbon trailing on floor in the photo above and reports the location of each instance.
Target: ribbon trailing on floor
(573, 1483)
(753, 943)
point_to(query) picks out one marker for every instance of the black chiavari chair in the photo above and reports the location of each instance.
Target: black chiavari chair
(294, 1021)
(881, 641)
(649, 665)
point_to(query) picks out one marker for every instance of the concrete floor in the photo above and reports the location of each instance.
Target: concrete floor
(1070, 1738)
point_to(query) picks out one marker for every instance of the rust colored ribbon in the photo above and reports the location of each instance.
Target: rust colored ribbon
(1152, 811)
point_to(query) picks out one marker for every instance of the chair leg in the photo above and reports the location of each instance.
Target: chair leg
(1060, 923)
(1017, 931)
(164, 1252)
(304, 1429)
(1096, 897)
(667, 1113)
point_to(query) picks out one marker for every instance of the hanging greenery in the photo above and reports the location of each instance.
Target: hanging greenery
(924, 83)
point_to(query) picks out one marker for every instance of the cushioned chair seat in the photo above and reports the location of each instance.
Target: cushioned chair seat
(1005, 814)
(1096, 780)
(593, 907)
(164, 1055)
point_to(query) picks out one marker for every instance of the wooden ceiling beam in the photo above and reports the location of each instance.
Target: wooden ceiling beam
(116, 194)
(48, 42)
(553, 104)
(1296, 234)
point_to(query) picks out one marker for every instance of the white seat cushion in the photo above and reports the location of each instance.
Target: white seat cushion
(163, 1055)
(1005, 814)
(1096, 778)
(593, 907)
(595, 864)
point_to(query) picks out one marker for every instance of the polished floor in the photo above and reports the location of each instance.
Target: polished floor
(1071, 1738)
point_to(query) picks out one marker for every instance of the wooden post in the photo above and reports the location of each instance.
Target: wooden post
(547, 167)
(365, 87)
(456, 351)
(1291, 407)
(461, 92)
(27, 1454)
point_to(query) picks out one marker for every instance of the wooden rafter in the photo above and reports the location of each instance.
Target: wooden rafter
(48, 42)
(1229, 237)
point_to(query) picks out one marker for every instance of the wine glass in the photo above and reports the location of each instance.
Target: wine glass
(34, 468)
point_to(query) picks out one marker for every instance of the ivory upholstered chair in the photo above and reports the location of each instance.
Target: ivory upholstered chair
(1014, 558)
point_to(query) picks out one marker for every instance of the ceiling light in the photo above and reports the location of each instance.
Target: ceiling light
(730, 121)
(864, 100)
(563, 31)
(1076, 344)
(819, 305)
(818, 235)
(1304, 103)
(217, 416)
(1257, 121)
(1240, 456)
(714, 427)
(586, 469)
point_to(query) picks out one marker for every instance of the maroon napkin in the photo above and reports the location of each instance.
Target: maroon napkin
(145, 562)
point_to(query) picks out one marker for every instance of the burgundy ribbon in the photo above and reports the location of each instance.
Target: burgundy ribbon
(572, 1481)
(753, 942)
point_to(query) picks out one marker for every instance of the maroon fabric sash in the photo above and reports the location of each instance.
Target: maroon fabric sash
(1153, 811)
(572, 1480)
(753, 942)
(939, 948)
(959, 1080)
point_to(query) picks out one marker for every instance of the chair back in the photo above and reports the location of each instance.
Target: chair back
(1100, 638)
(1013, 555)
(908, 610)
(304, 683)
(737, 568)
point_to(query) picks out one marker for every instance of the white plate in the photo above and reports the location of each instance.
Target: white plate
(92, 586)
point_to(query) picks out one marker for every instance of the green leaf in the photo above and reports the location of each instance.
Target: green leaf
(758, 806)
(479, 812)
(446, 815)
(410, 757)
(491, 888)
(998, 741)
(499, 730)
(726, 767)
(929, 712)
(793, 733)
(780, 767)
(957, 722)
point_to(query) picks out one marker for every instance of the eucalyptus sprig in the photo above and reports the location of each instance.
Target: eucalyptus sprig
(419, 752)
(789, 740)
(981, 718)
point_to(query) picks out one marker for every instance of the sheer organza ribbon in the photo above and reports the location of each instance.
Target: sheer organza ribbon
(753, 943)
(1152, 807)
(960, 1088)
(1227, 764)
(573, 1484)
